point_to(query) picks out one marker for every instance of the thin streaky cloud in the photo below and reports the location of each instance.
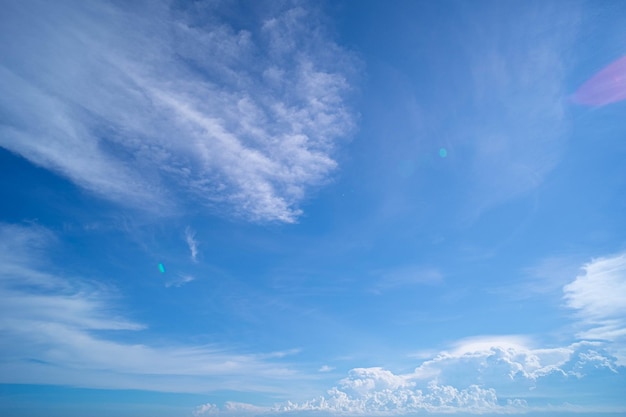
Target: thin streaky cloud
(599, 293)
(52, 326)
(598, 297)
(181, 280)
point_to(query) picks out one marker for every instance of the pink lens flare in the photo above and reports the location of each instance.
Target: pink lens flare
(607, 86)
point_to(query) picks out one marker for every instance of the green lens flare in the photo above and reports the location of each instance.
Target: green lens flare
(161, 268)
(443, 153)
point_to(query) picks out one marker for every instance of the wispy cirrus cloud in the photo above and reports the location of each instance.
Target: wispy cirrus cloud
(140, 103)
(51, 327)
(180, 280)
(598, 296)
(192, 243)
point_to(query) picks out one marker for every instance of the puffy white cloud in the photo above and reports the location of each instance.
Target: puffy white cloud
(399, 400)
(505, 364)
(478, 375)
(362, 380)
(376, 391)
(229, 408)
(206, 409)
(148, 103)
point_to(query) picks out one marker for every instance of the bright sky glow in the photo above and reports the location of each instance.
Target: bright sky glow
(299, 208)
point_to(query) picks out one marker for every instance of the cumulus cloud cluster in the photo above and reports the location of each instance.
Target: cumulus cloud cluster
(464, 379)
(376, 390)
(479, 375)
(230, 407)
(155, 102)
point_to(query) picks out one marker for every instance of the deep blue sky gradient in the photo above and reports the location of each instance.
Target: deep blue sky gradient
(283, 162)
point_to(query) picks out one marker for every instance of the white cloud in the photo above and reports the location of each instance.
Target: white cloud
(180, 281)
(489, 374)
(599, 297)
(192, 243)
(206, 409)
(143, 104)
(472, 345)
(503, 374)
(326, 368)
(242, 408)
(50, 332)
(375, 391)
(229, 408)
(497, 360)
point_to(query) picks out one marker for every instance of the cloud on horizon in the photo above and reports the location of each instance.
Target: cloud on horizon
(493, 378)
(483, 375)
(138, 103)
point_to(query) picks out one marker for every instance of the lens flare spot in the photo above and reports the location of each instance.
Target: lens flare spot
(162, 268)
(605, 87)
(443, 152)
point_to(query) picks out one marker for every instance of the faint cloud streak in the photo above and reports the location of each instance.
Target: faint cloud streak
(180, 281)
(51, 322)
(192, 243)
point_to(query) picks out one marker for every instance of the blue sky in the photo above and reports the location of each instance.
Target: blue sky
(360, 208)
